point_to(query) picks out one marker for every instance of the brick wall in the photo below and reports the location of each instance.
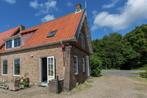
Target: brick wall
(81, 76)
(30, 62)
(71, 79)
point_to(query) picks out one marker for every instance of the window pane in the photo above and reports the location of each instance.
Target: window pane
(84, 65)
(17, 42)
(9, 44)
(75, 60)
(5, 67)
(16, 66)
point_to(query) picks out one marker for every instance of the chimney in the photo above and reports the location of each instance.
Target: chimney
(78, 7)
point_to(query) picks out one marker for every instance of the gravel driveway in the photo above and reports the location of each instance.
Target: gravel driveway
(113, 84)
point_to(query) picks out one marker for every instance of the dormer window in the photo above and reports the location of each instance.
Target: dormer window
(13, 43)
(9, 44)
(17, 42)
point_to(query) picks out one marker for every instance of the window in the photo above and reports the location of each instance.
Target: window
(13, 43)
(52, 34)
(5, 67)
(82, 40)
(9, 44)
(84, 65)
(76, 67)
(17, 42)
(16, 67)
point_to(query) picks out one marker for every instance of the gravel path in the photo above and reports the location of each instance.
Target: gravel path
(113, 84)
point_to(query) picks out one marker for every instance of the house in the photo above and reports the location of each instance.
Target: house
(60, 47)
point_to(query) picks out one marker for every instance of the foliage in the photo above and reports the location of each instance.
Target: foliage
(95, 66)
(144, 74)
(24, 82)
(121, 52)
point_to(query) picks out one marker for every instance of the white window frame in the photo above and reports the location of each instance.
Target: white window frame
(14, 67)
(6, 44)
(2, 68)
(13, 43)
(76, 71)
(84, 64)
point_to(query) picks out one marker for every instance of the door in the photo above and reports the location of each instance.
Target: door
(44, 70)
(51, 68)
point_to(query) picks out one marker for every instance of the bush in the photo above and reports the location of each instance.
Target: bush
(144, 74)
(95, 66)
(96, 72)
(24, 82)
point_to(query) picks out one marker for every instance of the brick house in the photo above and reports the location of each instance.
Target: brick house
(60, 47)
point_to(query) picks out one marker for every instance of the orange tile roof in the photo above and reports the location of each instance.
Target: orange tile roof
(7, 34)
(66, 27)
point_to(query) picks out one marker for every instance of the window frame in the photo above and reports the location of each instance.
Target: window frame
(76, 71)
(82, 39)
(14, 67)
(17, 42)
(9, 43)
(2, 71)
(12, 43)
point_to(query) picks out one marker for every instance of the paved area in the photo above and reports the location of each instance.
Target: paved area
(125, 73)
(113, 84)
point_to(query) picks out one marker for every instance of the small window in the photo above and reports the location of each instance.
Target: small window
(82, 40)
(76, 66)
(17, 42)
(5, 67)
(9, 44)
(16, 67)
(84, 64)
(52, 34)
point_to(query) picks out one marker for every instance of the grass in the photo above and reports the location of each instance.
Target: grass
(85, 85)
(142, 68)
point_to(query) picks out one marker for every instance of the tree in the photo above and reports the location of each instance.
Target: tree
(125, 52)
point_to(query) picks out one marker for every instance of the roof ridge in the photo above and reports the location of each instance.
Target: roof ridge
(10, 29)
(52, 20)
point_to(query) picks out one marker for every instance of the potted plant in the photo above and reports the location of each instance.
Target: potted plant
(24, 81)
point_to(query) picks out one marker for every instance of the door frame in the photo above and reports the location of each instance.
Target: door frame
(40, 69)
(54, 68)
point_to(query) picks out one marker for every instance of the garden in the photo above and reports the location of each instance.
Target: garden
(16, 84)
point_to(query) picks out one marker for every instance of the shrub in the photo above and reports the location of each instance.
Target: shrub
(96, 72)
(144, 74)
(95, 66)
(24, 81)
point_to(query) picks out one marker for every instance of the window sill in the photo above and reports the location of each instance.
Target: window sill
(4, 74)
(76, 73)
(16, 75)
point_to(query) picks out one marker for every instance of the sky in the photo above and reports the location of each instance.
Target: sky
(104, 16)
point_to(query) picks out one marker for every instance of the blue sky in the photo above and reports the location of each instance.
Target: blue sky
(104, 16)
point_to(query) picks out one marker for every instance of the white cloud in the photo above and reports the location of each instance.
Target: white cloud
(132, 11)
(45, 7)
(10, 1)
(112, 4)
(34, 4)
(48, 18)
